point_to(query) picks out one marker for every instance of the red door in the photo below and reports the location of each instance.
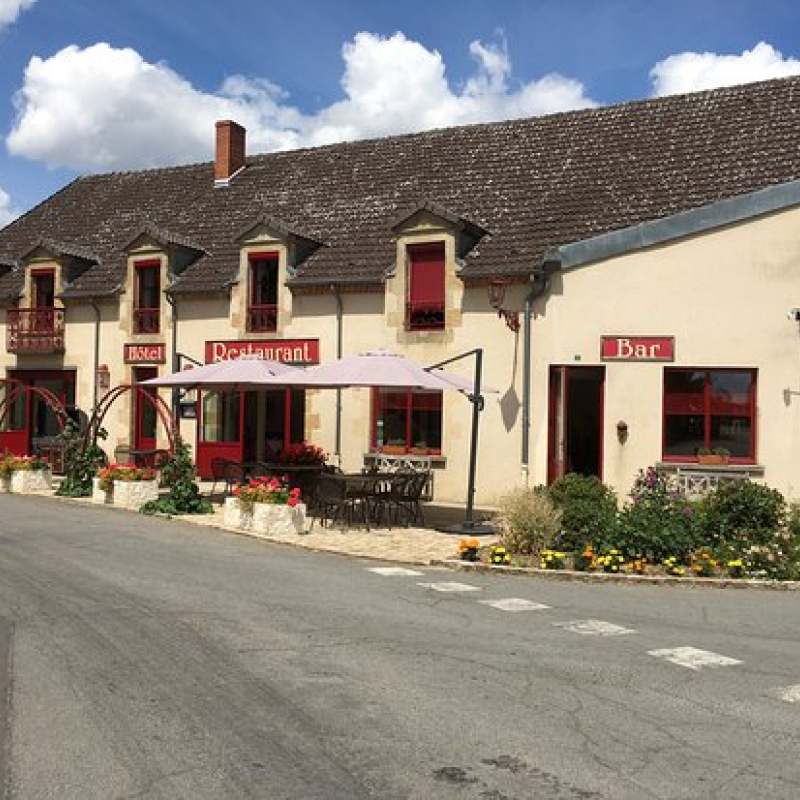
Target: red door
(145, 415)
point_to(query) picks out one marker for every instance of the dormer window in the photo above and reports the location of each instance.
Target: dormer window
(43, 288)
(426, 274)
(262, 306)
(147, 297)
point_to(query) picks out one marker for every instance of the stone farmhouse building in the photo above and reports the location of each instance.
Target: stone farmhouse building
(631, 273)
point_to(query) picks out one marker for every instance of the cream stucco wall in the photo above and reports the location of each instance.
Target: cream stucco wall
(724, 296)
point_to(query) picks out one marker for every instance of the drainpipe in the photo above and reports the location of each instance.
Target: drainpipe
(96, 385)
(339, 326)
(540, 284)
(176, 396)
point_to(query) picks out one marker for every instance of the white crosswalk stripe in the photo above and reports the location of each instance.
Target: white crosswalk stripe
(391, 571)
(514, 604)
(594, 627)
(693, 658)
(790, 694)
(450, 586)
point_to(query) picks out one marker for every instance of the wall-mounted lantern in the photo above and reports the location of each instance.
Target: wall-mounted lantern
(103, 377)
(496, 289)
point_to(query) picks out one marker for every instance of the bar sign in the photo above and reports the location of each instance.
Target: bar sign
(637, 348)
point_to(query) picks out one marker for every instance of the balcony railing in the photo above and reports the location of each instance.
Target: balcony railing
(35, 330)
(425, 316)
(146, 320)
(262, 319)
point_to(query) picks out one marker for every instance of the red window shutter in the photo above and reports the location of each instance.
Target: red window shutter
(426, 280)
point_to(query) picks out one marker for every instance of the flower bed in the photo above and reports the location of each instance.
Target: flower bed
(266, 506)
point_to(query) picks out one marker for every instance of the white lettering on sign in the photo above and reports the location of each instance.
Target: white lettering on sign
(637, 348)
(145, 353)
(302, 351)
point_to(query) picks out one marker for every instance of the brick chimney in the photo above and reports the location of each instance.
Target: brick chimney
(230, 151)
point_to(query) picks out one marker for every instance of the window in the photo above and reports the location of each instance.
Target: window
(425, 309)
(147, 307)
(262, 307)
(220, 417)
(407, 421)
(709, 408)
(43, 289)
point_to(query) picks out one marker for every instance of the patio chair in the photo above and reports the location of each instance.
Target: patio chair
(226, 471)
(400, 498)
(333, 502)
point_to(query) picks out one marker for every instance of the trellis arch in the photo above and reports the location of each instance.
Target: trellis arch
(14, 388)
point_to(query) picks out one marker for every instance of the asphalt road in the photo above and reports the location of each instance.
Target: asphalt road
(153, 659)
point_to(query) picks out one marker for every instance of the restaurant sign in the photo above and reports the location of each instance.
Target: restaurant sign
(145, 353)
(637, 348)
(290, 351)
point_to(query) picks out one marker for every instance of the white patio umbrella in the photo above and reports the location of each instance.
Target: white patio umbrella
(236, 374)
(381, 368)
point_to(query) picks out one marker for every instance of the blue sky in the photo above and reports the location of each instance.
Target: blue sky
(101, 85)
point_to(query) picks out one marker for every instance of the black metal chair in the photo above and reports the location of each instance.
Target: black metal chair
(226, 471)
(335, 500)
(400, 498)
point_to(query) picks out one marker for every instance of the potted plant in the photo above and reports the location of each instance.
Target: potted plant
(716, 455)
(266, 506)
(24, 473)
(125, 485)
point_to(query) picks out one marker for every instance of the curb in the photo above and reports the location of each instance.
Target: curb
(603, 577)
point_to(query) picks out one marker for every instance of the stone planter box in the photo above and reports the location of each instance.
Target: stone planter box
(125, 494)
(266, 519)
(31, 480)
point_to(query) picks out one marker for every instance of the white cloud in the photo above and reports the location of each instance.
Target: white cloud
(103, 108)
(692, 72)
(7, 214)
(11, 9)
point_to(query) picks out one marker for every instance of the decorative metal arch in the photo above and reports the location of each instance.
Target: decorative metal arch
(16, 388)
(162, 410)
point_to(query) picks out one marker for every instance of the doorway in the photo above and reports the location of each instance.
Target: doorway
(575, 423)
(145, 416)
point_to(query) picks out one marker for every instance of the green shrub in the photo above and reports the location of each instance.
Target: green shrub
(178, 475)
(82, 459)
(588, 508)
(657, 523)
(742, 511)
(528, 520)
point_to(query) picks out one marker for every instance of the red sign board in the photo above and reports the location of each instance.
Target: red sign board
(145, 353)
(637, 348)
(290, 351)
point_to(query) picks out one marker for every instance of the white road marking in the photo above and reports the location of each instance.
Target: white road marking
(514, 604)
(791, 694)
(448, 586)
(693, 658)
(394, 571)
(594, 627)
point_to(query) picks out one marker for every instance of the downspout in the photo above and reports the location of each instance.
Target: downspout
(96, 385)
(540, 284)
(176, 395)
(339, 337)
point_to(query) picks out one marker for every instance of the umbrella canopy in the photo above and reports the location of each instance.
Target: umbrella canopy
(378, 368)
(238, 373)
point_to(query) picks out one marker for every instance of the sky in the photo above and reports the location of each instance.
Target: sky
(90, 86)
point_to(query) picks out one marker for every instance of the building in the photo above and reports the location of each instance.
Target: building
(643, 257)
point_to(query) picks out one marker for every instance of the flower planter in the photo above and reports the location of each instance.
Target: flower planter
(31, 480)
(267, 519)
(5, 484)
(125, 494)
(712, 459)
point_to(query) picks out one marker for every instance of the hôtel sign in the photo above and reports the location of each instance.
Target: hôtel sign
(145, 353)
(637, 348)
(289, 351)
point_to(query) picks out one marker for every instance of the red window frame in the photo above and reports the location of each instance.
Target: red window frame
(147, 309)
(36, 277)
(425, 306)
(262, 295)
(705, 405)
(412, 400)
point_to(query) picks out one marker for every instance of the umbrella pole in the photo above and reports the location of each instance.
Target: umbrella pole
(469, 527)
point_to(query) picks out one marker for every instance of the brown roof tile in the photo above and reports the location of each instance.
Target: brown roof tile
(532, 184)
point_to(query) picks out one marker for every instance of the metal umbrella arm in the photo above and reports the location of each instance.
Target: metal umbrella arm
(469, 527)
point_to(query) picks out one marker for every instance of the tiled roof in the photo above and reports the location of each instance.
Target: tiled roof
(531, 184)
